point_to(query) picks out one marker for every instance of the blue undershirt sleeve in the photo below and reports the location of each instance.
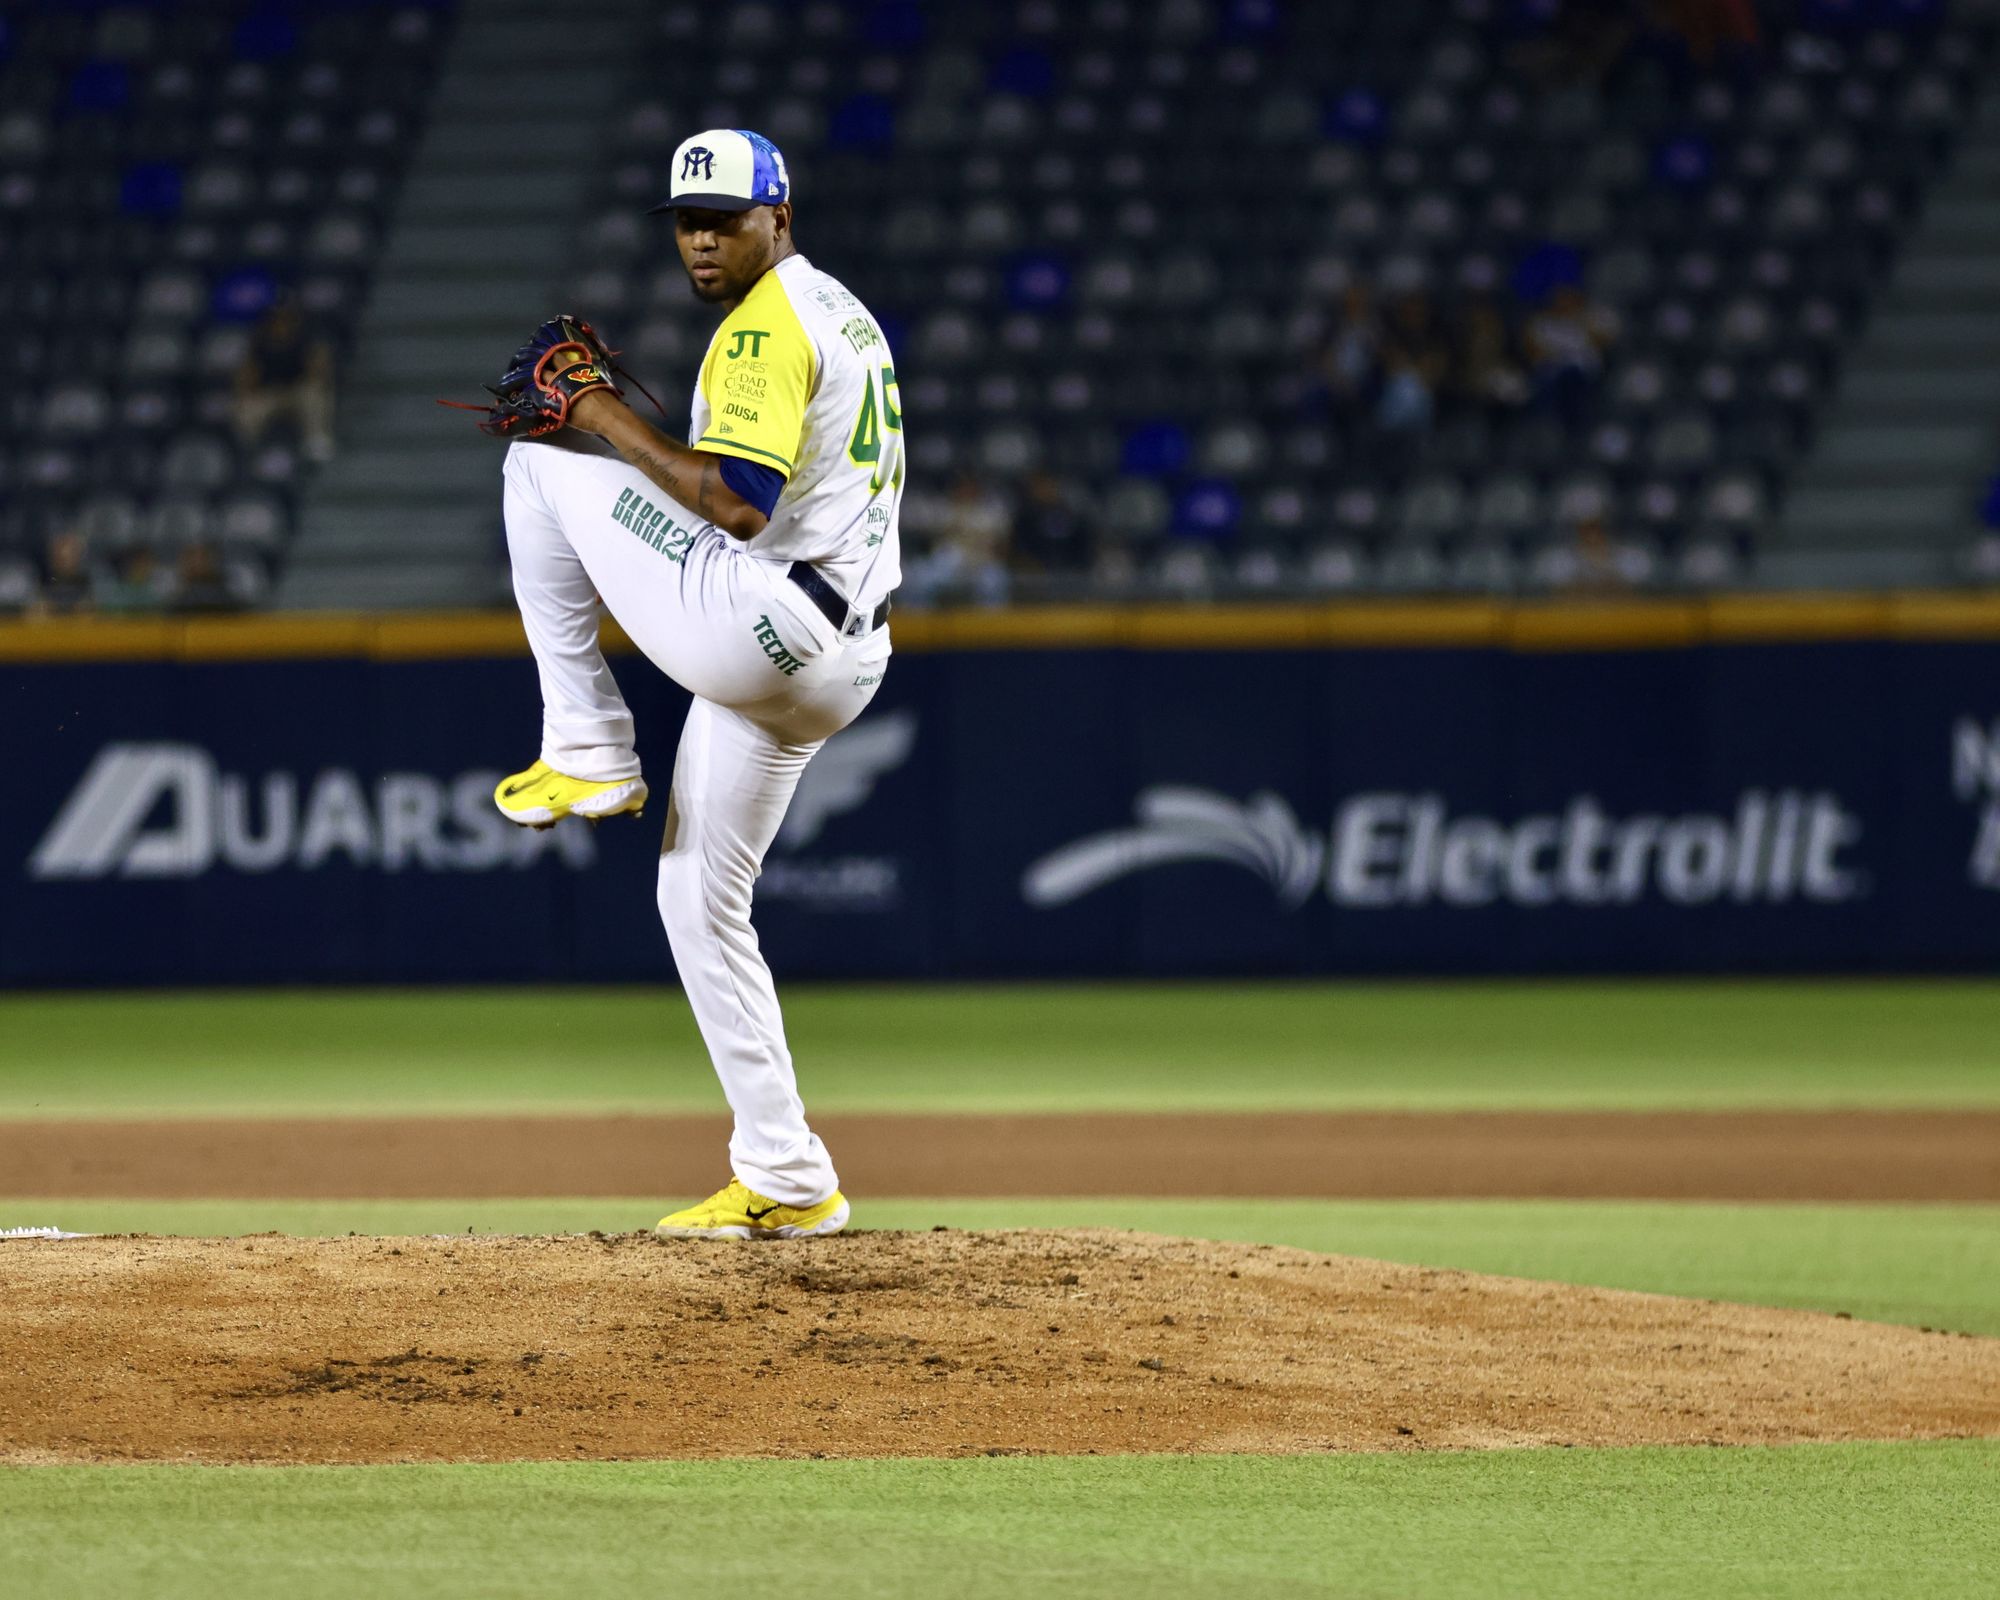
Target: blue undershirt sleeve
(755, 483)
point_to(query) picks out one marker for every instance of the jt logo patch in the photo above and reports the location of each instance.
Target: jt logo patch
(755, 337)
(698, 163)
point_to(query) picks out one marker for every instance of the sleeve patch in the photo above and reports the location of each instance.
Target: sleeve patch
(757, 381)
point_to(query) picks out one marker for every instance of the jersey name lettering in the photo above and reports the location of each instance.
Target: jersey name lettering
(651, 524)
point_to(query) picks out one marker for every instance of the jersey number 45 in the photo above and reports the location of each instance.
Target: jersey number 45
(878, 432)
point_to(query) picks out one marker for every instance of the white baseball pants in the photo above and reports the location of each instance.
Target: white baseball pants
(725, 625)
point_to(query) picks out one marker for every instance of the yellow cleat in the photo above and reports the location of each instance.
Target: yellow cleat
(541, 797)
(739, 1212)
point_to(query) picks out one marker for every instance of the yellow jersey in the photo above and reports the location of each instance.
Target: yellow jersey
(799, 378)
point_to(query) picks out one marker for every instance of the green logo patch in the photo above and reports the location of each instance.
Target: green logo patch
(774, 647)
(651, 524)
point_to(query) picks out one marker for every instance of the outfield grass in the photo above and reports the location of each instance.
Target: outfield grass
(1925, 1265)
(1808, 1521)
(1007, 1048)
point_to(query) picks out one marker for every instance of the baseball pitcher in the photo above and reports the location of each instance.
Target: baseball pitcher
(754, 566)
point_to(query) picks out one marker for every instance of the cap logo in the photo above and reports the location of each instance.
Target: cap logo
(698, 163)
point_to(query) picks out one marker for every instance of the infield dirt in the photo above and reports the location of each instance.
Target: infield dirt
(1716, 1155)
(871, 1344)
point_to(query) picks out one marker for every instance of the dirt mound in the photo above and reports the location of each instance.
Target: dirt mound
(276, 1349)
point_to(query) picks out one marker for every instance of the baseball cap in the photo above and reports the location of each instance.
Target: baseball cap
(727, 169)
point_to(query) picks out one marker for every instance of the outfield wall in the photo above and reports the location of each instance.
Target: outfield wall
(1749, 786)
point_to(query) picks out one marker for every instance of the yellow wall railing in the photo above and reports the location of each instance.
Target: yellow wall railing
(1635, 624)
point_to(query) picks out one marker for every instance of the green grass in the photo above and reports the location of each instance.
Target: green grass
(1930, 1265)
(999, 1048)
(1825, 1520)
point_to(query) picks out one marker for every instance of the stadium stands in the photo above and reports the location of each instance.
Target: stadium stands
(1190, 297)
(1454, 294)
(169, 174)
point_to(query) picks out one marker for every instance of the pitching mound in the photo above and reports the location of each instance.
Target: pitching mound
(353, 1350)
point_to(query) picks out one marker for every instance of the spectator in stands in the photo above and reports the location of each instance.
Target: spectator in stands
(1416, 360)
(1352, 362)
(135, 584)
(1712, 32)
(1602, 563)
(66, 574)
(198, 580)
(967, 559)
(1052, 527)
(1594, 561)
(1487, 376)
(1566, 341)
(287, 373)
(1580, 46)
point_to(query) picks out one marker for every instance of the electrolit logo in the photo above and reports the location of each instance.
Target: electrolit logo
(1389, 849)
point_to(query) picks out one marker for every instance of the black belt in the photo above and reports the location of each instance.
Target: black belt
(831, 606)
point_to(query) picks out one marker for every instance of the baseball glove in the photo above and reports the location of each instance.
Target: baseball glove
(562, 359)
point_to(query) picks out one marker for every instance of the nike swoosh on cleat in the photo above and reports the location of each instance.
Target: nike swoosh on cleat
(758, 1216)
(509, 793)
